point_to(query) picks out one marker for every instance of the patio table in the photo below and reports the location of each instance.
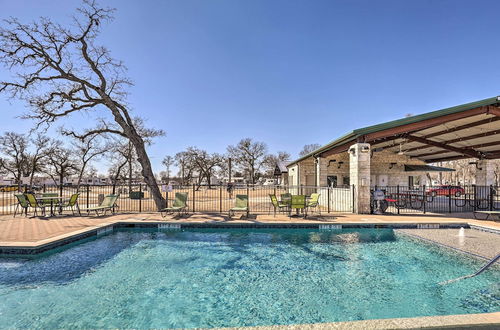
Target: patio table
(299, 209)
(51, 199)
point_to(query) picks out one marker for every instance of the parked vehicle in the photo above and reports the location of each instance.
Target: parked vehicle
(269, 182)
(446, 190)
(8, 188)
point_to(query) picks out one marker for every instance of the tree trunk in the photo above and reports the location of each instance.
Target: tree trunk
(19, 182)
(147, 171)
(32, 175)
(61, 177)
(80, 176)
(209, 177)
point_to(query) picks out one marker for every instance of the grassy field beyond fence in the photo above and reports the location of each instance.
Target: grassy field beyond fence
(214, 199)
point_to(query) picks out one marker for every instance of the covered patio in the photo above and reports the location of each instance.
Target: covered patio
(398, 153)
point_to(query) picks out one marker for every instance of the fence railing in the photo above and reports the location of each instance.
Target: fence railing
(439, 199)
(209, 199)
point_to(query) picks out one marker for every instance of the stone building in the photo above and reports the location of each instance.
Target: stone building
(404, 151)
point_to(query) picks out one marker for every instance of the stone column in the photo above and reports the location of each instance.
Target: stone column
(485, 173)
(359, 173)
(321, 172)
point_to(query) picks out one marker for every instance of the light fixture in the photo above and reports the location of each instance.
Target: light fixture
(477, 165)
(391, 165)
(340, 164)
(401, 152)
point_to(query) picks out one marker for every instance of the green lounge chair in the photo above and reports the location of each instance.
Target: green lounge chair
(241, 205)
(298, 203)
(313, 202)
(108, 203)
(277, 205)
(22, 203)
(180, 205)
(34, 204)
(72, 203)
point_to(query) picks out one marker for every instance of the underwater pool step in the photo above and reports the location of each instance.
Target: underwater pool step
(486, 266)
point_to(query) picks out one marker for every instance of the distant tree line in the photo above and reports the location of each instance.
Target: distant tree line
(249, 159)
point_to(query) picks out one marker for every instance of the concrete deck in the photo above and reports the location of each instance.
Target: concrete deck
(33, 231)
(468, 321)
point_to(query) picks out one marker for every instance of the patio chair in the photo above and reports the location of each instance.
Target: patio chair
(34, 204)
(286, 198)
(179, 206)
(241, 205)
(313, 202)
(107, 204)
(72, 202)
(22, 203)
(277, 205)
(298, 202)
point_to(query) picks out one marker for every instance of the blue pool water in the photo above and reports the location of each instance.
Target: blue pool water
(240, 277)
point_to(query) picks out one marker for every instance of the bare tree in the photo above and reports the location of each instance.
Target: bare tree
(60, 164)
(308, 148)
(15, 160)
(168, 161)
(121, 154)
(41, 146)
(249, 156)
(86, 151)
(205, 164)
(60, 71)
(271, 160)
(115, 171)
(186, 167)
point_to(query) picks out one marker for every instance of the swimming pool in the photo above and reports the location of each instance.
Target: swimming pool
(240, 277)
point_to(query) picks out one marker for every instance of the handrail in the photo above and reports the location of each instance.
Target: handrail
(486, 266)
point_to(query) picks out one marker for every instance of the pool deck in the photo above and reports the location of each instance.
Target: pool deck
(469, 321)
(37, 231)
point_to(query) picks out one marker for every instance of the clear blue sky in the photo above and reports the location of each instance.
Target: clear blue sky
(289, 73)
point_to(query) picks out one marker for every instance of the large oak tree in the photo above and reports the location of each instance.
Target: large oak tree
(61, 71)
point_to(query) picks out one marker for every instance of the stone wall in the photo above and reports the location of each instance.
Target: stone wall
(382, 172)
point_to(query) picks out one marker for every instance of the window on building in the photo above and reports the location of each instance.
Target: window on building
(346, 181)
(332, 180)
(413, 181)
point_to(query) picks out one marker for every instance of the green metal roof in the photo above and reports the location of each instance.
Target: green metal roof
(352, 136)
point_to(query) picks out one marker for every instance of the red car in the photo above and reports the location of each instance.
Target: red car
(446, 190)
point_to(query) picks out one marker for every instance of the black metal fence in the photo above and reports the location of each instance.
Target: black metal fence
(209, 199)
(439, 199)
